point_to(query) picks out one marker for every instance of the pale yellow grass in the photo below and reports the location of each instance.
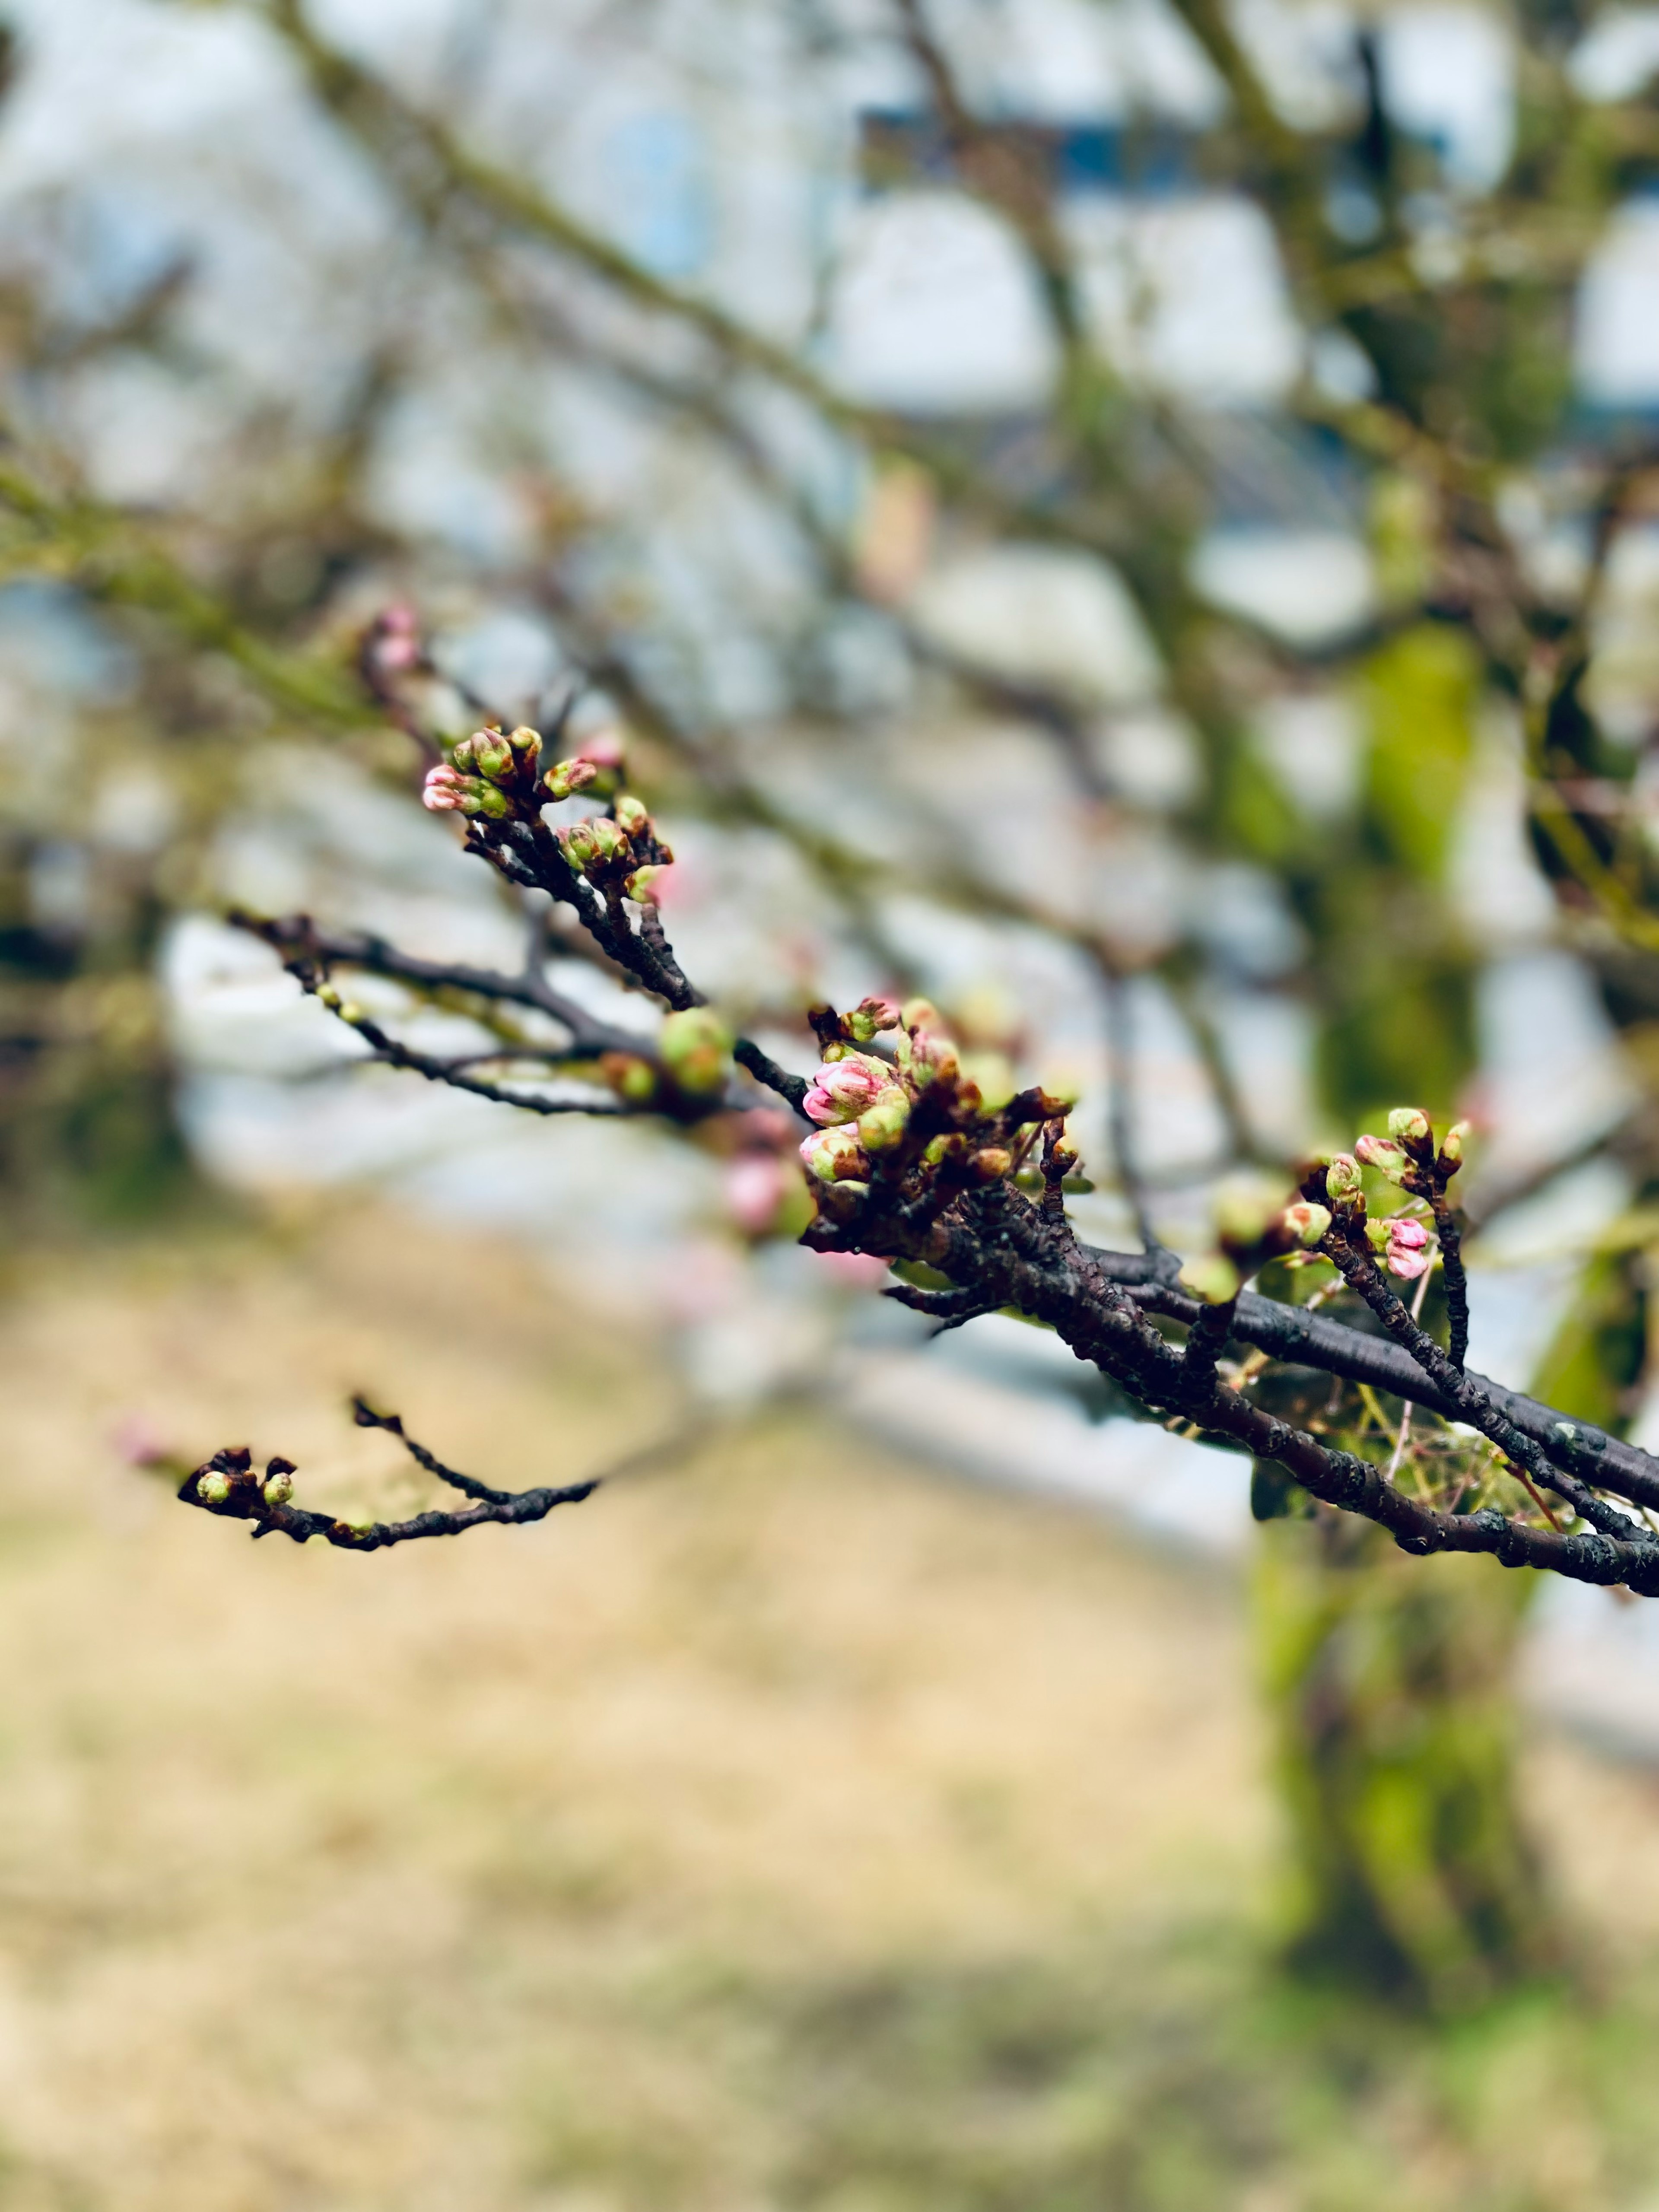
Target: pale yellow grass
(423, 1879)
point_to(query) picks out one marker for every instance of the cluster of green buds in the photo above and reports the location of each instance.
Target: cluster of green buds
(1406, 1155)
(620, 852)
(1254, 1223)
(230, 1478)
(921, 1104)
(493, 772)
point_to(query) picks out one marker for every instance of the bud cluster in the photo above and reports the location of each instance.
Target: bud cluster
(230, 1479)
(919, 1111)
(1406, 1155)
(617, 852)
(492, 774)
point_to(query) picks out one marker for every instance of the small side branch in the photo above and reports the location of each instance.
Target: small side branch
(231, 1486)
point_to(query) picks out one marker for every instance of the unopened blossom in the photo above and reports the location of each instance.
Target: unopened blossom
(1342, 1180)
(882, 1124)
(1410, 1124)
(1384, 1154)
(1407, 1254)
(1306, 1223)
(567, 777)
(443, 790)
(869, 1015)
(841, 1089)
(835, 1156)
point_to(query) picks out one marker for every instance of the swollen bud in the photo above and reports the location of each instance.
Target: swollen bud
(884, 1123)
(835, 1156)
(491, 753)
(696, 1050)
(631, 1079)
(213, 1488)
(279, 1485)
(1451, 1148)
(1213, 1279)
(1306, 1223)
(1244, 1212)
(1385, 1155)
(869, 1015)
(1342, 1184)
(524, 740)
(566, 777)
(631, 814)
(641, 886)
(1410, 1124)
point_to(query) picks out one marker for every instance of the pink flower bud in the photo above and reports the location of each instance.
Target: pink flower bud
(442, 791)
(869, 1015)
(843, 1089)
(1384, 1154)
(1407, 1254)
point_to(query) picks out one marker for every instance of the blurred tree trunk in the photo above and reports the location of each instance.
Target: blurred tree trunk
(1390, 1690)
(1412, 1877)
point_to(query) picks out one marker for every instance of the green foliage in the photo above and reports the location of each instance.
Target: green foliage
(1598, 1354)
(1419, 693)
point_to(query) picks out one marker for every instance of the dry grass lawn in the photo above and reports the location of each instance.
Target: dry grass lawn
(791, 1827)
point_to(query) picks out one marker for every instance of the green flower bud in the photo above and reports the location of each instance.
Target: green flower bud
(1451, 1148)
(631, 814)
(566, 777)
(213, 1488)
(1245, 1208)
(610, 843)
(279, 1488)
(1212, 1278)
(641, 886)
(881, 1126)
(328, 996)
(835, 1155)
(1342, 1182)
(524, 740)
(869, 1015)
(349, 1011)
(1385, 1155)
(633, 1079)
(932, 1060)
(1410, 1124)
(696, 1050)
(491, 753)
(576, 843)
(952, 1145)
(1306, 1223)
